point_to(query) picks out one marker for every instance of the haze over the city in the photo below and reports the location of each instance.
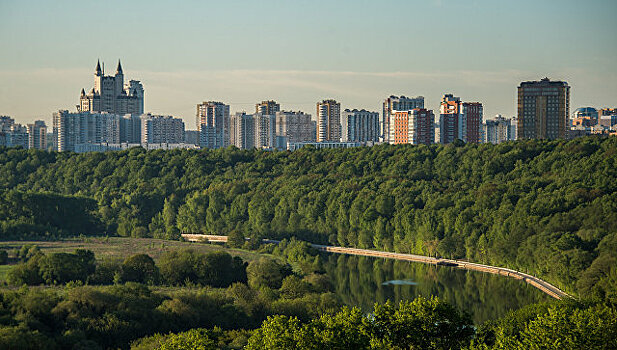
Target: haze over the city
(299, 52)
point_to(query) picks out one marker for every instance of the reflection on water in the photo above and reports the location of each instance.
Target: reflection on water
(399, 283)
(362, 281)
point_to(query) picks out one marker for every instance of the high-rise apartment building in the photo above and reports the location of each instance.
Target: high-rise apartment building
(71, 129)
(14, 135)
(37, 135)
(498, 130)
(267, 107)
(470, 122)
(213, 124)
(514, 128)
(449, 111)
(459, 120)
(295, 126)
(130, 128)
(360, 126)
(395, 103)
(17, 135)
(328, 121)
(5, 123)
(265, 130)
(242, 130)
(253, 130)
(161, 129)
(416, 126)
(543, 109)
(111, 95)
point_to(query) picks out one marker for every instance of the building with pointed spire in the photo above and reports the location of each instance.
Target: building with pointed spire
(111, 94)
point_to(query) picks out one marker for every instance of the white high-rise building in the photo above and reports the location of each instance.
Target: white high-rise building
(328, 121)
(37, 135)
(161, 129)
(295, 126)
(13, 135)
(498, 130)
(265, 130)
(242, 130)
(71, 129)
(110, 94)
(130, 129)
(213, 124)
(360, 126)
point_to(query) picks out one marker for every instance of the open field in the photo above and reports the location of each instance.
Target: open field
(120, 248)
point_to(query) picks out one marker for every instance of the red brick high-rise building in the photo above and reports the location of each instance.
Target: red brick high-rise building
(416, 126)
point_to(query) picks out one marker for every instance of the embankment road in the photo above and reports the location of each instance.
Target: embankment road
(461, 264)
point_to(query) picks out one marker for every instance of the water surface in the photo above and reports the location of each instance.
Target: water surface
(362, 281)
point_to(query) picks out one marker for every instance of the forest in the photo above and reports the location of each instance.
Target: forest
(190, 300)
(74, 300)
(544, 207)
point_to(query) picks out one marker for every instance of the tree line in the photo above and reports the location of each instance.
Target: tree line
(545, 207)
(418, 324)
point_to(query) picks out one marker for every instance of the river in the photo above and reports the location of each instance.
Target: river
(362, 281)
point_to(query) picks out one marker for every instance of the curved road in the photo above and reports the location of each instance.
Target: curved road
(534, 281)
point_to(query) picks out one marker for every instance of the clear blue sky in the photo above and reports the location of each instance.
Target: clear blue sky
(298, 52)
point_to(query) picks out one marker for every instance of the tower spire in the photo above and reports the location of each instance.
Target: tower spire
(98, 68)
(119, 69)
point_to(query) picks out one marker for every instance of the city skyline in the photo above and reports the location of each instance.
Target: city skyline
(252, 51)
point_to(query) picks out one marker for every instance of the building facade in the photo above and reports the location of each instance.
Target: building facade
(265, 131)
(12, 134)
(267, 108)
(360, 126)
(608, 120)
(111, 95)
(459, 120)
(5, 123)
(161, 129)
(498, 130)
(71, 129)
(242, 130)
(191, 137)
(213, 124)
(543, 109)
(130, 128)
(396, 103)
(449, 111)
(328, 121)
(416, 126)
(37, 135)
(294, 146)
(470, 122)
(295, 126)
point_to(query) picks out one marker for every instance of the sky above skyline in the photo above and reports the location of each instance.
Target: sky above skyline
(299, 52)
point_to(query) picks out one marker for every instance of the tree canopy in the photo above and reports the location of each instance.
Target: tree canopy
(545, 207)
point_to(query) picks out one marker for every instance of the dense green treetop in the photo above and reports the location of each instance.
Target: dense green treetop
(545, 207)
